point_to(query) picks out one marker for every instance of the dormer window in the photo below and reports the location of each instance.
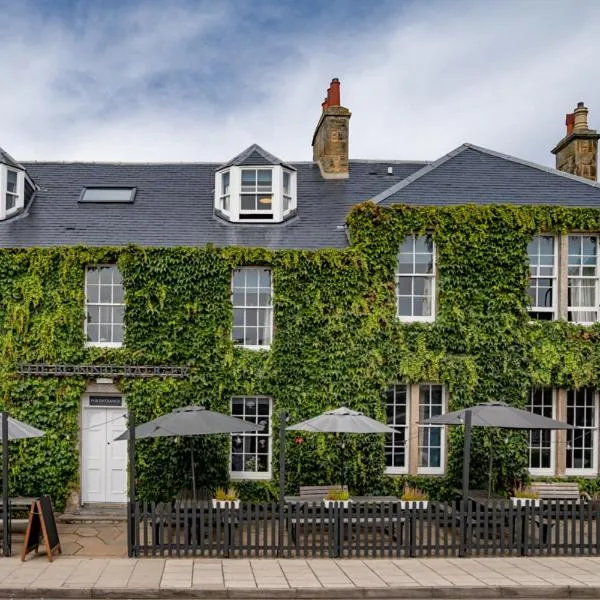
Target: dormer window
(256, 194)
(12, 191)
(255, 187)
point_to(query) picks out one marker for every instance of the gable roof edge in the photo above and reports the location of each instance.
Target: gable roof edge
(420, 173)
(527, 163)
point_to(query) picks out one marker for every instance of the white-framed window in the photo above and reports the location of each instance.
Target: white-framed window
(12, 194)
(542, 277)
(256, 198)
(396, 444)
(542, 401)
(252, 300)
(582, 442)
(225, 191)
(105, 306)
(583, 279)
(415, 279)
(108, 195)
(249, 194)
(432, 438)
(287, 191)
(251, 451)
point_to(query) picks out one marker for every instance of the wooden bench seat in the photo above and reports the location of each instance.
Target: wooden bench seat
(559, 490)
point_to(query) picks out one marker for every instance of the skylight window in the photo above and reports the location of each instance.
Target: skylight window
(107, 194)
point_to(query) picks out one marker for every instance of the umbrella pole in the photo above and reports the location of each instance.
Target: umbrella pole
(193, 470)
(466, 454)
(490, 475)
(5, 516)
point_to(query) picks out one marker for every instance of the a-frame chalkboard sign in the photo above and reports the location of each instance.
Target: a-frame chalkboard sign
(41, 529)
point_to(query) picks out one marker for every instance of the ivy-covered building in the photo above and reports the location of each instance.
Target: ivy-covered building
(400, 288)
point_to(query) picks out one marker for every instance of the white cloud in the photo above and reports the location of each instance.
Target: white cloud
(142, 83)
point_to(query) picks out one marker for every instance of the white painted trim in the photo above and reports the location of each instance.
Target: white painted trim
(405, 469)
(593, 471)
(555, 279)
(553, 445)
(444, 430)
(20, 193)
(253, 475)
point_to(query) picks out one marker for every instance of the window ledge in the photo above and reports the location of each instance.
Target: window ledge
(103, 344)
(395, 471)
(430, 471)
(415, 319)
(253, 476)
(265, 348)
(581, 473)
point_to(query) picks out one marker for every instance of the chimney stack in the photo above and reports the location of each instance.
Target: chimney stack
(577, 152)
(330, 140)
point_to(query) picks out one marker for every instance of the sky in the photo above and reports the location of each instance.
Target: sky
(194, 80)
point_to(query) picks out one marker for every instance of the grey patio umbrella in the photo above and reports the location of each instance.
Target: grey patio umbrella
(492, 414)
(11, 429)
(342, 420)
(190, 421)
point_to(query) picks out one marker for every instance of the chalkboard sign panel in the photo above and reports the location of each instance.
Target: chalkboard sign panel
(106, 401)
(41, 529)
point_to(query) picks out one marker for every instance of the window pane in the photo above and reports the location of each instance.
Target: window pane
(248, 177)
(248, 201)
(264, 177)
(11, 181)
(225, 184)
(105, 304)
(251, 451)
(415, 258)
(396, 411)
(107, 195)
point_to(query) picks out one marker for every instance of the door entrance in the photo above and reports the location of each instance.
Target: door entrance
(104, 461)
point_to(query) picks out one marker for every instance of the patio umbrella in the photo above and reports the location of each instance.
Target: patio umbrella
(11, 429)
(342, 420)
(492, 414)
(190, 421)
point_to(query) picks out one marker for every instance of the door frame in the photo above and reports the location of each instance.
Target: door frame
(101, 387)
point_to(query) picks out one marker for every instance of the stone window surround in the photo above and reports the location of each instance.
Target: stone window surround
(561, 247)
(412, 443)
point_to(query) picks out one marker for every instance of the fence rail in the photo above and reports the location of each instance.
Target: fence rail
(363, 530)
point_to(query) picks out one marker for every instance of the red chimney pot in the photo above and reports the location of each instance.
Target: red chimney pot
(334, 92)
(570, 121)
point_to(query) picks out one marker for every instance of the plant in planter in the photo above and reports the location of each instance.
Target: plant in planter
(337, 495)
(413, 497)
(226, 497)
(525, 496)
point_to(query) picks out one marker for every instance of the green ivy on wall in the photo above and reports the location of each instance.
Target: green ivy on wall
(337, 342)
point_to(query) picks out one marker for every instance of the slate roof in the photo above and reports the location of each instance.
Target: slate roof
(471, 174)
(174, 207)
(254, 156)
(174, 202)
(7, 159)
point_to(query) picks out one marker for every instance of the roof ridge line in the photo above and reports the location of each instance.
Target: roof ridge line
(418, 174)
(527, 163)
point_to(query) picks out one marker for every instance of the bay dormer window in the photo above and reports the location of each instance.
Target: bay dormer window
(12, 191)
(255, 187)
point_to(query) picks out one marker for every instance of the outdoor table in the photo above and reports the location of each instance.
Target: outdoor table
(342, 514)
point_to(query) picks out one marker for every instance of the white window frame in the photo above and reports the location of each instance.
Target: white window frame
(246, 307)
(404, 469)
(412, 275)
(442, 468)
(92, 344)
(275, 214)
(19, 196)
(253, 475)
(593, 470)
(552, 468)
(595, 278)
(553, 310)
(225, 194)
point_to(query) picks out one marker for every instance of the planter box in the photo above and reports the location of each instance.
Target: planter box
(534, 502)
(408, 504)
(341, 503)
(225, 503)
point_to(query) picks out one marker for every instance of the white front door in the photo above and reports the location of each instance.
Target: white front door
(104, 461)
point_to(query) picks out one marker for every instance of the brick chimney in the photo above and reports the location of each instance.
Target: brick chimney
(577, 152)
(330, 140)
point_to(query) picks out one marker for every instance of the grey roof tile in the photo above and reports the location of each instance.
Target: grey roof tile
(253, 156)
(470, 174)
(174, 207)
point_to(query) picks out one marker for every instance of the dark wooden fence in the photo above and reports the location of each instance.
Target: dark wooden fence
(364, 530)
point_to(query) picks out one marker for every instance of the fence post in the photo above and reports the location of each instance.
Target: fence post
(131, 505)
(283, 417)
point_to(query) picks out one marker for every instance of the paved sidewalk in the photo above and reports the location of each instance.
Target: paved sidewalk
(73, 577)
